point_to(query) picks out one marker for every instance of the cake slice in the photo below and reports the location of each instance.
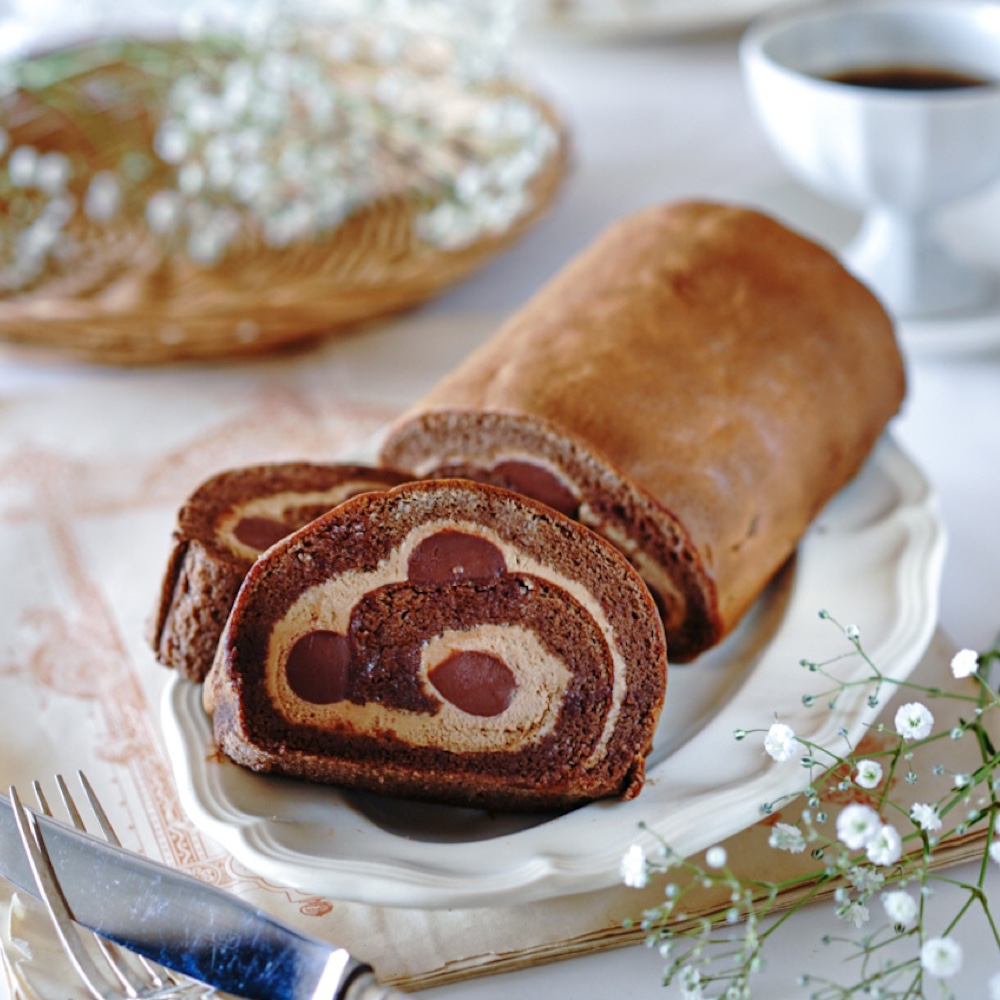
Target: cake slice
(695, 387)
(449, 641)
(221, 529)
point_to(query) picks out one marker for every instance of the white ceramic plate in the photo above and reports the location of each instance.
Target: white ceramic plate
(626, 19)
(873, 558)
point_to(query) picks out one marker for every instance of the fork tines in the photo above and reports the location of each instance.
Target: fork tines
(130, 975)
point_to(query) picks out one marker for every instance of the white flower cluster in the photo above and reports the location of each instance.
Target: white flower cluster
(283, 124)
(265, 139)
(868, 774)
(40, 205)
(37, 184)
(786, 837)
(941, 957)
(862, 860)
(493, 190)
(781, 742)
(926, 816)
(633, 867)
(292, 137)
(965, 663)
(914, 721)
(859, 827)
(901, 908)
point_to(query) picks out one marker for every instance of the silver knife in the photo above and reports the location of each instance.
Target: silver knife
(184, 924)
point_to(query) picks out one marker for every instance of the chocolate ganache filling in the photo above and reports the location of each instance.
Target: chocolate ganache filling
(450, 556)
(319, 667)
(519, 476)
(459, 595)
(477, 683)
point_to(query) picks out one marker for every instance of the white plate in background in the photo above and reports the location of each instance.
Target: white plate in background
(641, 19)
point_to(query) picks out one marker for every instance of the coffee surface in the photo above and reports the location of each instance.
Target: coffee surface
(905, 77)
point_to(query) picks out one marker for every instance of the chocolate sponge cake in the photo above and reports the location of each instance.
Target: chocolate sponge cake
(695, 387)
(444, 640)
(221, 529)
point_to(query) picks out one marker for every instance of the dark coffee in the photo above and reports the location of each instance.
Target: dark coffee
(908, 78)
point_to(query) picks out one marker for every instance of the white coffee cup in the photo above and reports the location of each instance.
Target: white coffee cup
(899, 155)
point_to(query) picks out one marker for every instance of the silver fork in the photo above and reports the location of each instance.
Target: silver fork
(131, 976)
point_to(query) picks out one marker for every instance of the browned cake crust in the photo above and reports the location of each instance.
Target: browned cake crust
(695, 386)
(449, 641)
(221, 529)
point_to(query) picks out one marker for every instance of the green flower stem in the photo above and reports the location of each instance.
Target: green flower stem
(729, 960)
(820, 883)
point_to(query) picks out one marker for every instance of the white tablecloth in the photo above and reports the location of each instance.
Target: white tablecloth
(655, 120)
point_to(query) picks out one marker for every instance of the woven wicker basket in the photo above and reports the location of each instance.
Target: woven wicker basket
(122, 299)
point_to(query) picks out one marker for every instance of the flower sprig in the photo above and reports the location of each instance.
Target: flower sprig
(270, 129)
(867, 828)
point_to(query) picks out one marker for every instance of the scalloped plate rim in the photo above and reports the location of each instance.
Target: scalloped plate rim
(581, 851)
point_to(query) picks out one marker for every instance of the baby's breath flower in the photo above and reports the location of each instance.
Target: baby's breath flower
(926, 816)
(52, 172)
(171, 143)
(869, 773)
(22, 166)
(263, 125)
(901, 908)
(865, 879)
(856, 912)
(914, 721)
(785, 837)
(689, 980)
(857, 825)
(716, 857)
(964, 663)
(941, 957)
(865, 860)
(852, 632)
(633, 868)
(163, 211)
(104, 196)
(886, 847)
(781, 742)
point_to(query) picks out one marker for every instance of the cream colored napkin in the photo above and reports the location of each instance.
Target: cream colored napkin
(90, 480)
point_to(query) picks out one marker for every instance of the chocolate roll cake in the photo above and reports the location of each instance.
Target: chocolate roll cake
(695, 387)
(221, 529)
(445, 640)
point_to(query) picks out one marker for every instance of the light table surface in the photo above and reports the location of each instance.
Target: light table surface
(661, 119)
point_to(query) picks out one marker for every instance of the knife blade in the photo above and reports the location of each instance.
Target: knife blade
(183, 923)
